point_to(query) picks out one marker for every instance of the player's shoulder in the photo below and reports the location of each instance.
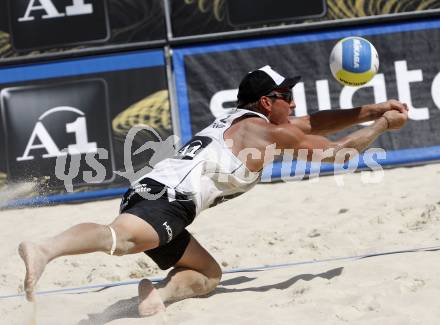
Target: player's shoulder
(256, 120)
(246, 121)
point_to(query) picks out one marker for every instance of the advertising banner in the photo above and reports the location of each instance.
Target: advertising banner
(198, 17)
(29, 27)
(63, 125)
(80, 22)
(208, 76)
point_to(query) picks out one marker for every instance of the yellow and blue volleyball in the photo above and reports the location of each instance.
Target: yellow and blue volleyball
(354, 61)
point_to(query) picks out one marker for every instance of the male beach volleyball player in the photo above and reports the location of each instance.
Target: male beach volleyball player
(222, 161)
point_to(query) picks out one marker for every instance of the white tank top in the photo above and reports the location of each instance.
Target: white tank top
(205, 169)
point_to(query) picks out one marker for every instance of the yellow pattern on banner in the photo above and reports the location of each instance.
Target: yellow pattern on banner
(339, 9)
(5, 45)
(153, 111)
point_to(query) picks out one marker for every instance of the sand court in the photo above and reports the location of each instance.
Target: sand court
(272, 224)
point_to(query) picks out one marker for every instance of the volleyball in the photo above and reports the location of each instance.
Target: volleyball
(354, 61)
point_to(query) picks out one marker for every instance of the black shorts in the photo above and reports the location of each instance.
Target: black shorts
(168, 212)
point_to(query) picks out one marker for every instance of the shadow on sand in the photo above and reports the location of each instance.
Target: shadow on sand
(127, 308)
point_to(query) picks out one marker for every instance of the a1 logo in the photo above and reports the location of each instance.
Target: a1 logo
(41, 139)
(77, 8)
(68, 121)
(39, 24)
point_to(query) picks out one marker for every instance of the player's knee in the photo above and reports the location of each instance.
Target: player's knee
(212, 283)
(214, 274)
(217, 274)
(204, 285)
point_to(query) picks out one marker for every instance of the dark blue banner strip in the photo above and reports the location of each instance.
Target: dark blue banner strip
(65, 198)
(75, 67)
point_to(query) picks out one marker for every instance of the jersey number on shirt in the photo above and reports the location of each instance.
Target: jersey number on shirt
(193, 147)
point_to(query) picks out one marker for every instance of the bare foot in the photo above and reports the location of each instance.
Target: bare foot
(150, 302)
(35, 262)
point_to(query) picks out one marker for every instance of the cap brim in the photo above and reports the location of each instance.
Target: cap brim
(289, 82)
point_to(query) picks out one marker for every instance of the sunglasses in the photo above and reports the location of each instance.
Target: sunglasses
(286, 96)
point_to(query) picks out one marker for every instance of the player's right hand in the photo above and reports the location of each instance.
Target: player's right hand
(396, 119)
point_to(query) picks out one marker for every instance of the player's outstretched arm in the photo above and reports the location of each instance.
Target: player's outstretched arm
(318, 148)
(331, 121)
